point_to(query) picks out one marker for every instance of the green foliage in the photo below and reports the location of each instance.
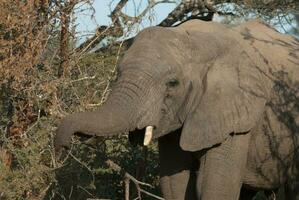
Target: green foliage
(31, 170)
(85, 175)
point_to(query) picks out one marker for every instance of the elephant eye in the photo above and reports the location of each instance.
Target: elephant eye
(172, 83)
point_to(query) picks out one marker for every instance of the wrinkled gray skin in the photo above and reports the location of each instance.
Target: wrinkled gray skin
(224, 97)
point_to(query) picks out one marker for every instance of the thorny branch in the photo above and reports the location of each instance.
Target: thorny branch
(128, 177)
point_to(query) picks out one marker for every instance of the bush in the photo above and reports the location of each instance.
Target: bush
(34, 174)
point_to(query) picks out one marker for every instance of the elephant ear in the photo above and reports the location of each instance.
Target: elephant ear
(232, 99)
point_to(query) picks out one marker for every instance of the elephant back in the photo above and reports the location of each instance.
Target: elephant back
(279, 52)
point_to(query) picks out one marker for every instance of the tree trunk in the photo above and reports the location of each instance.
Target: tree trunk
(65, 36)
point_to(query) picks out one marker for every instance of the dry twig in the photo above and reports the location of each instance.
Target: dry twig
(128, 177)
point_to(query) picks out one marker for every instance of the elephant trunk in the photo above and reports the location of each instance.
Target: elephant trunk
(110, 119)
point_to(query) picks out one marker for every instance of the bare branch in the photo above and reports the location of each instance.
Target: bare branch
(128, 177)
(127, 188)
(150, 194)
(195, 7)
(102, 32)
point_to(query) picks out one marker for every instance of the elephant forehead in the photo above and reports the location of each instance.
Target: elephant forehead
(156, 34)
(148, 55)
(156, 48)
(155, 41)
(150, 65)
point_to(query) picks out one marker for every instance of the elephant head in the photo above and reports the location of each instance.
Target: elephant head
(196, 76)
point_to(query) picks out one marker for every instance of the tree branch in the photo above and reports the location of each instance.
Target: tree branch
(128, 177)
(196, 9)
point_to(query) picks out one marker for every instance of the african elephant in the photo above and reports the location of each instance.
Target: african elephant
(222, 102)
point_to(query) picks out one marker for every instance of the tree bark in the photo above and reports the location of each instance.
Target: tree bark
(66, 11)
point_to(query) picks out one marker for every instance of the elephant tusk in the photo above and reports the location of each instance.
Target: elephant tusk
(148, 135)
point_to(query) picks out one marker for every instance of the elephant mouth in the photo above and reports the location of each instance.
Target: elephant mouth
(145, 134)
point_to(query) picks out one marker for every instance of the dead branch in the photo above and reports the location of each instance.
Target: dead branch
(102, 32)
(197, 9)
(128, 177)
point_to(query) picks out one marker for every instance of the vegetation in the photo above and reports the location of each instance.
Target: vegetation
(44, 76)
